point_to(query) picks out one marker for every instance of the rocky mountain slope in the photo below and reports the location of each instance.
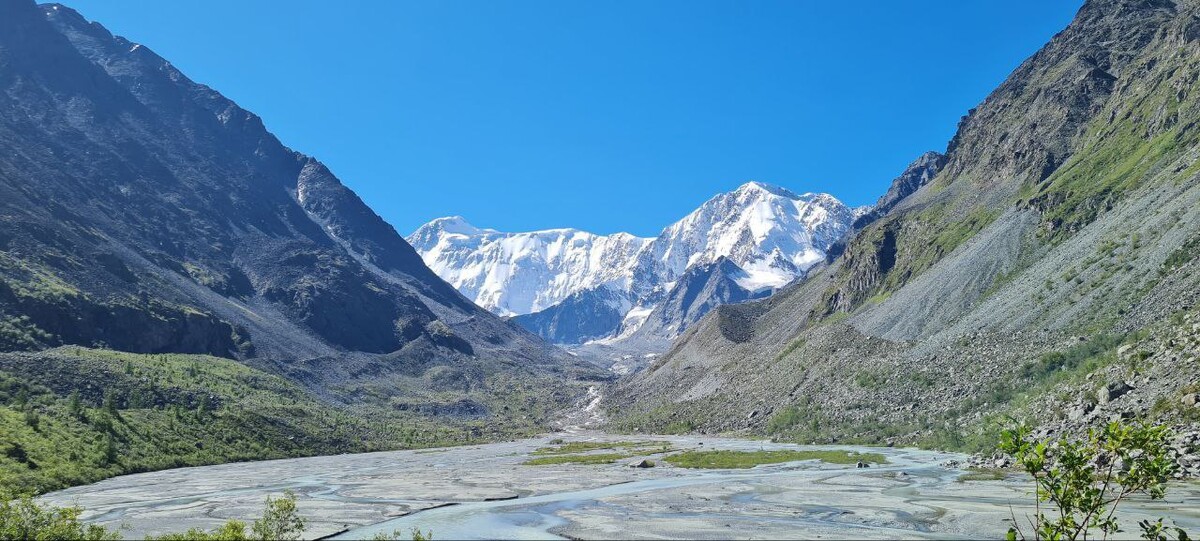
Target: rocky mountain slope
(571, 287)
(1060, 226)
(143, 212)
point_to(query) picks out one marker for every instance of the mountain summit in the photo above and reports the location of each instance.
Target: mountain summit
(571, 286)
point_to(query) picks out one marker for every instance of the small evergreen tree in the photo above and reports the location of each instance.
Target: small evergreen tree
(110, 404)
(32, 419)
(74, 405)
(205, 406)
(108, 453)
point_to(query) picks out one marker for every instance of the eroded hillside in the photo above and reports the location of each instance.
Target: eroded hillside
(1063, 224)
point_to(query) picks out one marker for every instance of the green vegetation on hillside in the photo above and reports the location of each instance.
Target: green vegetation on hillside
(73, 416)
(890, 253)
(23, 519)
(1183, 255)
(1128, 144)
(1097, 175)
(750, 459)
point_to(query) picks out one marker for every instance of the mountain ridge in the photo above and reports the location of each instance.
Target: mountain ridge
(1053, 238)
(143, 212)
(772, 234)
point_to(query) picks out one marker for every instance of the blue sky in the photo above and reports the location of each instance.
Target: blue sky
(607, 116)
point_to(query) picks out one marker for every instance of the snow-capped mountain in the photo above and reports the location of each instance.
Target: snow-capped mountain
(571, 286)
(522, 273)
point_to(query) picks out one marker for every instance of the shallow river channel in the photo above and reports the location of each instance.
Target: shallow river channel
(485, 492)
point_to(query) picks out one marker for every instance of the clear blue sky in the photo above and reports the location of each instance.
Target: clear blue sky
(602, 115)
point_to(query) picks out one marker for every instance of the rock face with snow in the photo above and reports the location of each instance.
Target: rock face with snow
(520, 273)
(570, 286)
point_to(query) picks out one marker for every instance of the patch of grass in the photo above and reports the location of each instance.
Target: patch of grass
(836, 317)
(1121, 160)
(431, 451)
(1085, 356)
(791, 348)
(601, 458)
(585, 446)
(878, 298)
(29, 279)
(679, 427)
(749, 459)
(980, 474)
(1183, 255)
(956, 233)
(19, 332)
(784, 419)
(870, 380)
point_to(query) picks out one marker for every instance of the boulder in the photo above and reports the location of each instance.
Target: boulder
(1079, 412)
(1190, 399)
(642, 464)
(1112, 391)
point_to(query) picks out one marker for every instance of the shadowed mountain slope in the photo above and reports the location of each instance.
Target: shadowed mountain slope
(143, 212)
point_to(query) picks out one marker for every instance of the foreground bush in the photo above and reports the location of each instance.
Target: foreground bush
(1084, 481)
(22, 518)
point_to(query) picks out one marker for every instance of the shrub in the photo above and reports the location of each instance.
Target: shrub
(1075, 357)
(416, 534)
(1084, 481)
(787, 418)
(233, 530)
(23, 518)
(280, 520)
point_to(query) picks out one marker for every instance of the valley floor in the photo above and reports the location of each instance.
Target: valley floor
(486, 491)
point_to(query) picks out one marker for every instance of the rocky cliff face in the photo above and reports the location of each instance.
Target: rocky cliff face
(145, 212)
(1059, 226)
(917, 174)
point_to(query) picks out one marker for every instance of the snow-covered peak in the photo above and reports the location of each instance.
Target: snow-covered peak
(773, 235)
(521, 273)
(452, 225)
(757, 225)
(864, 210)
(756, 187)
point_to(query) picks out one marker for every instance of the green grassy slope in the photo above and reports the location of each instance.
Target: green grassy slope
(73, 415)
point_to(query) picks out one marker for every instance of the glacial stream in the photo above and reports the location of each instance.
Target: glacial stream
(485, 492)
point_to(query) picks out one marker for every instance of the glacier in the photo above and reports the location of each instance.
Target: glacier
(772, 235)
